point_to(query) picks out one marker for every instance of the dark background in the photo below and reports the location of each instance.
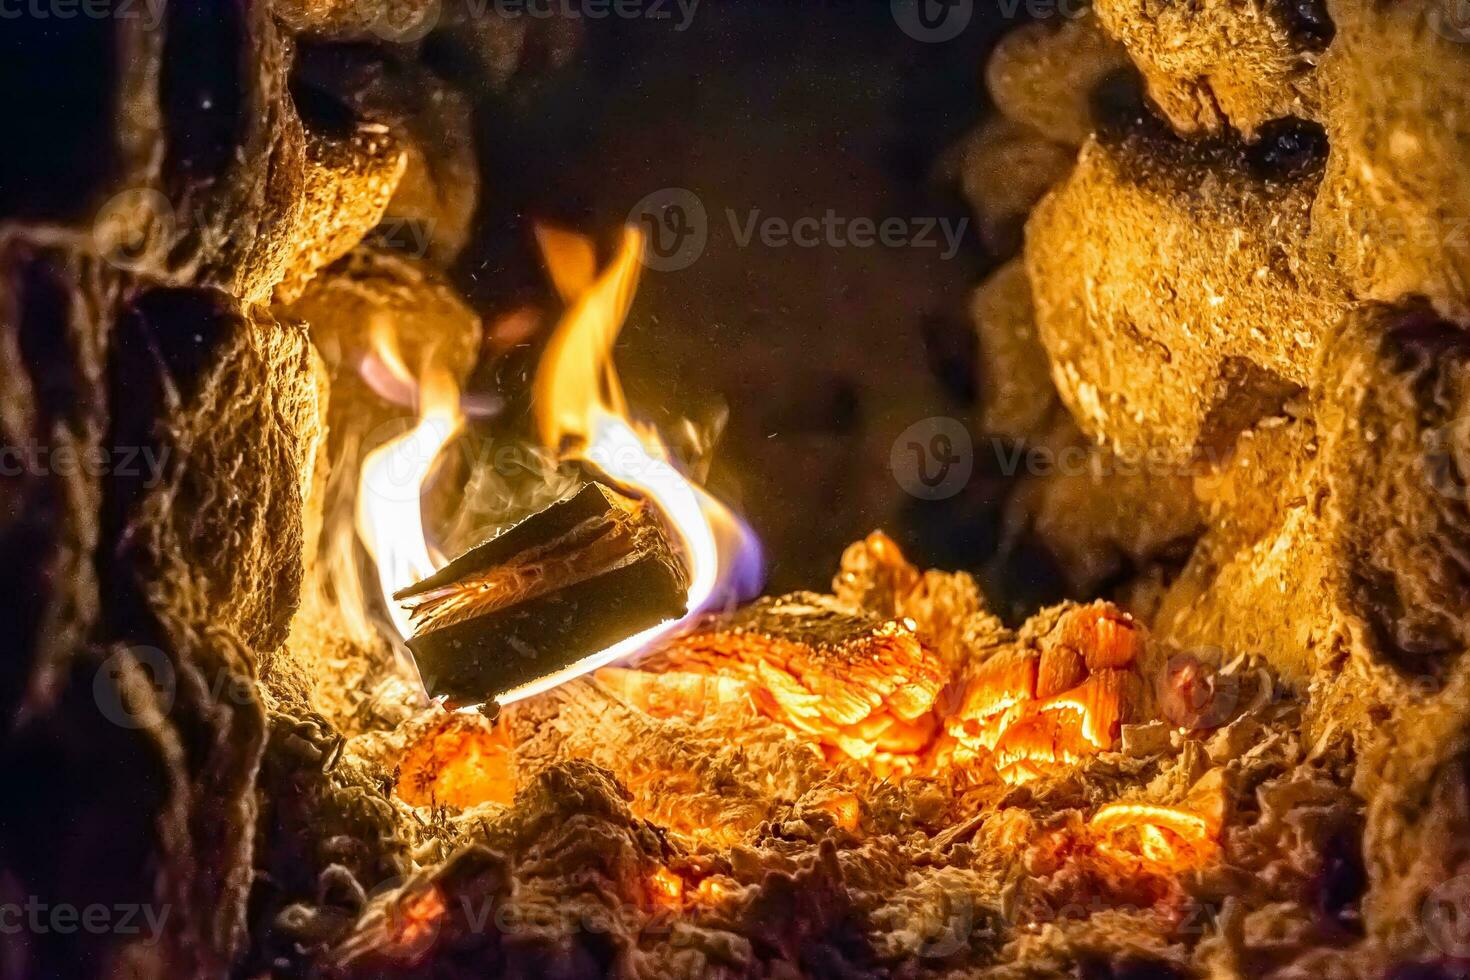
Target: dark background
(820, 356)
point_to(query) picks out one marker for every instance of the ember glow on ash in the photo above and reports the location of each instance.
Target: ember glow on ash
(1167, 837)
(1036, 710)
(667, 887)
(580, 413)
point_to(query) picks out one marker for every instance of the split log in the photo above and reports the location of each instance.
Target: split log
(561, 585)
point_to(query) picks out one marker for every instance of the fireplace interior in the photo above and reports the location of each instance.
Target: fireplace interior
(698, 488)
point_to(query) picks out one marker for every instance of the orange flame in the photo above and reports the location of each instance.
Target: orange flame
(580, 409)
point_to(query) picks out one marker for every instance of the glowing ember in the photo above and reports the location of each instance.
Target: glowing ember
(870, 690)
(677, 694)
(1034, 710)
(843, 808)
(459, 761)
(713, 891)
(667, 887)
(993, 700)
(862, 687)
(1165, 838)
(415, 919)
(1172, 838)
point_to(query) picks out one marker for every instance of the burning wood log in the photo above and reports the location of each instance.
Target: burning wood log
(863, 685)
(556, 588)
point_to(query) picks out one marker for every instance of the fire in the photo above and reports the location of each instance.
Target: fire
(460, 759)
(678, 694)
(580, 409)
(872, 697)
(713, 891)
(389, 519)
(865, 691)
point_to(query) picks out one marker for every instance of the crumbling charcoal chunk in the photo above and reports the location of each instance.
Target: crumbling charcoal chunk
(561, 585)
(1147, 517)
(1018, 396)
(203, 384)
(349, 177)
(1006, 168)
(175, 149)
(1392, 212)
(1394, 447)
